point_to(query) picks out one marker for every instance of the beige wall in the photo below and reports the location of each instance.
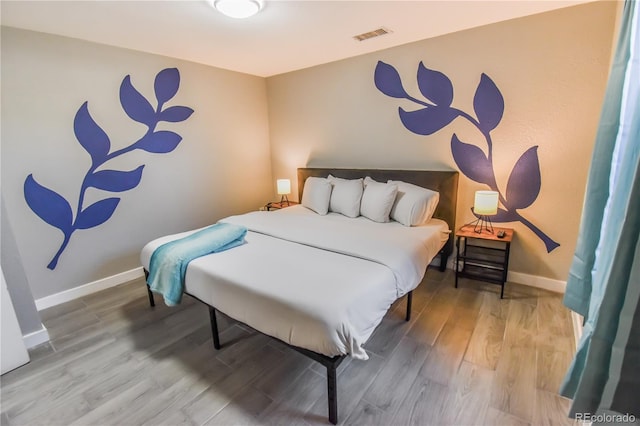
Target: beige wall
(551, 69)
(220, 168)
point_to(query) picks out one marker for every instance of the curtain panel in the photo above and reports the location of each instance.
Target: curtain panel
(604, 280)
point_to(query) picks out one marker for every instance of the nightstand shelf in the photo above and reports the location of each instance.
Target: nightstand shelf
(483, 256)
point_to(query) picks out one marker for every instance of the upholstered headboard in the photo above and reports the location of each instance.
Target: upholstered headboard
(445, 182)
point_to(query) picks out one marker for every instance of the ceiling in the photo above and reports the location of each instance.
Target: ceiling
(285, 36)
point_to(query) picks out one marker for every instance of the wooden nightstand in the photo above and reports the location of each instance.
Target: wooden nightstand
(279, 205)
(483, 256)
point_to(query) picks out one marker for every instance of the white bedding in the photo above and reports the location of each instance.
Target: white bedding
(318, 282)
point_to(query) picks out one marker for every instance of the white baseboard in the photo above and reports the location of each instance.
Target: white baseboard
(544, 283)
(36, 338)
(577, 319)
(92, 287)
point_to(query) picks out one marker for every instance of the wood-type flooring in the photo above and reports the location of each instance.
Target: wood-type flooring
(465, 358)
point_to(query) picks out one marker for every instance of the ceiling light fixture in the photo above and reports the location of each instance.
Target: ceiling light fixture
(238, 8)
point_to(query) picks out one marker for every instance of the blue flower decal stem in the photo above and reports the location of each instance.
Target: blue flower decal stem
(436, 112)
(55, 210)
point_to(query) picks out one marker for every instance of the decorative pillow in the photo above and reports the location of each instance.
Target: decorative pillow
(368, 179)
(377, 200)
(333, 179)
(414, 204)
(345, 196)
(316, 194)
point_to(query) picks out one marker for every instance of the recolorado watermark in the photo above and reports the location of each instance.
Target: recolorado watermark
(605, 418)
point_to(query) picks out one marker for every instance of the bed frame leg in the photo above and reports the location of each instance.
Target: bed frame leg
(152, 301)
(332, 389)
(444, 257)
(214, 327)
(409, 300)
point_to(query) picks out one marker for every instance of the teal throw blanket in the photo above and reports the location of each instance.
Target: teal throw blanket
(168, 264)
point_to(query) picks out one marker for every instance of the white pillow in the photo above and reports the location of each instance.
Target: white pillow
(316, 194)
(345, 196)
(377, 200)
(414, 204)
(333, 179)
(368, 179)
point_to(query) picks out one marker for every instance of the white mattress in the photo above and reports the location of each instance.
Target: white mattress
(318, 282)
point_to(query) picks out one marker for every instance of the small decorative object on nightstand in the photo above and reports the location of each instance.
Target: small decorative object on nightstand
(483, 256)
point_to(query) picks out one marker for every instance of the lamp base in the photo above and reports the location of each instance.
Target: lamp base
(483, 222)
(284, 200)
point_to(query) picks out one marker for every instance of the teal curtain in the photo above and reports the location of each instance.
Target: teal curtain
(604, 280)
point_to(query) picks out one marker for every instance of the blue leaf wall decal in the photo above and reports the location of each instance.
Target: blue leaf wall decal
(428, 120)
(50, 206)
(488, 104)
(502, 216)
(115, 180)
(472, 162)
(388, 81)
(159, 142)
(176, 114)
(96, 214)
(524, 182)
(90, 135)
(136, 106)
(435, 86)
(166, 84)
(56, 211)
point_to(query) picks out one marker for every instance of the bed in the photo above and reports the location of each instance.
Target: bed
(342, 273)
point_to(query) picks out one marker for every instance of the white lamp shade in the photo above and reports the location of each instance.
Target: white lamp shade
(237, 8)
(486, 203)
(284, 186)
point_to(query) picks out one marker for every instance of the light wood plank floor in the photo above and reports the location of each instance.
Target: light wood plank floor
(465, 358)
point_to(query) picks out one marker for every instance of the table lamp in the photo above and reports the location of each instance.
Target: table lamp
(485, 205)
(284, 189)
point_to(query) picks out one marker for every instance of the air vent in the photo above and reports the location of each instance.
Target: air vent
(371, 34)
